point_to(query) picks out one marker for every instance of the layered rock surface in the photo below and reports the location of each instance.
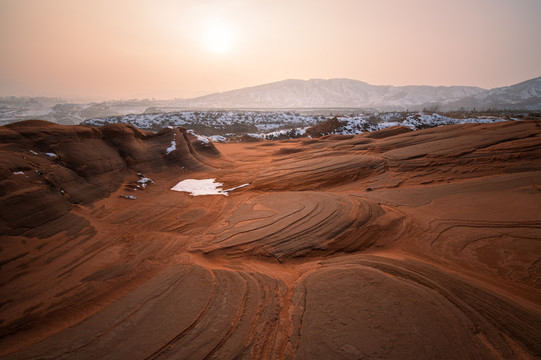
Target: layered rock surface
(390, 245)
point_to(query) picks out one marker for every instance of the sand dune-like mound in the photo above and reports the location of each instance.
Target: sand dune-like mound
(395, 244)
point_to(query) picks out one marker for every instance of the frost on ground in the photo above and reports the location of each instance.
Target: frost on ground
(203, 187)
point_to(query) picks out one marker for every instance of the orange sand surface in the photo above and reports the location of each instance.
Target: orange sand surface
(389, 245)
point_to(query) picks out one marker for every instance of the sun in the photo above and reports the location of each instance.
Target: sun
(219, 38)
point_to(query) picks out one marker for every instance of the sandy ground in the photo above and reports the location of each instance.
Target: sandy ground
(398, 245)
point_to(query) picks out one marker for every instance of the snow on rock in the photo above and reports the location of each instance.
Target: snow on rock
(50, 154)
(287, 133)
(173, 146)
(144, 181)
(203, 139)
(129, 197)
(236, 187)
(203, 187)
(217, 138)
(200, 187)
(18, 173)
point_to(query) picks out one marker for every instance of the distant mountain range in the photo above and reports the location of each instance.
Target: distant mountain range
(525, 96)
(312, 94)
(347, 93)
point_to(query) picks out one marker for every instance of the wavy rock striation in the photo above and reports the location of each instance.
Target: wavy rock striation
(396, 244)
(48, 168)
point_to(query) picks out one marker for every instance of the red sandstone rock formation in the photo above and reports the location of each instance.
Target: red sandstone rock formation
(390, 245)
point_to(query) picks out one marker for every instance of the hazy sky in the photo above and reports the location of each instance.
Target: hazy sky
(186, 48)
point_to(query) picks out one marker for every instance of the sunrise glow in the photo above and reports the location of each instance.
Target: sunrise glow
(168, 49)
(218, 38)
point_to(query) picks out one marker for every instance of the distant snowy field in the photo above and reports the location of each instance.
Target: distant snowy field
(415, 122)
(219, 120)
(218, 125)
(353, 125)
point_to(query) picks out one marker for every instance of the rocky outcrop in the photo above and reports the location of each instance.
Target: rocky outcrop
(401, 244)
(48, 168)
(325, 128)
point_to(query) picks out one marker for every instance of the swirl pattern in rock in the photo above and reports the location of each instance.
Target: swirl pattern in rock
(391, 245)
(294, 224)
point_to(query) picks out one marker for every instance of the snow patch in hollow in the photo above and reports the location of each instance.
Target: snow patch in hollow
(203, 187)
(200, 187)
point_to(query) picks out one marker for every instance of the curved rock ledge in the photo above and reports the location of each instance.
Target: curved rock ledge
(421, 244)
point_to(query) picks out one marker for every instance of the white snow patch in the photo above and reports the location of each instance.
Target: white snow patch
(18, 173)
(237, 187)
(33, 152)
(217, 138)
(200, 187)
(203, 139)
(173, 146)
(288, 133)
(143, 182)
(203, 187)
(49, 154)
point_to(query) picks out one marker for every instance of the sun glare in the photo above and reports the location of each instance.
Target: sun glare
(218, 38)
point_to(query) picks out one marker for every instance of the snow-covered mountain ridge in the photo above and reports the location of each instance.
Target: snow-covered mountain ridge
(525, 95)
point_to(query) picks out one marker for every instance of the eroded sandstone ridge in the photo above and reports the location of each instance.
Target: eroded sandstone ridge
(388, 245)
